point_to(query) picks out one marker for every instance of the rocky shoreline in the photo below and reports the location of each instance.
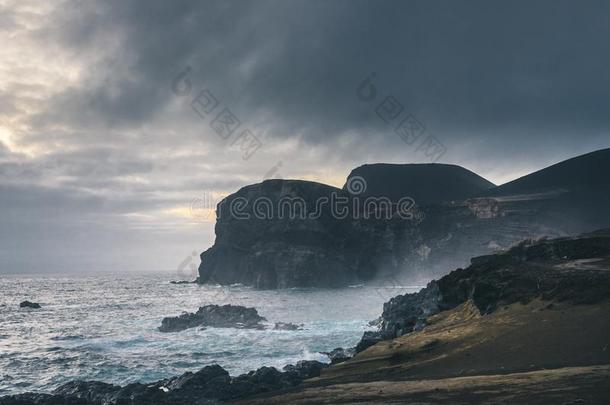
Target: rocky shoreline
(207, 386)
(571, 272)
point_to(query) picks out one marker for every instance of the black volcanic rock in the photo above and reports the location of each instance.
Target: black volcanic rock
(91, 391)
(264, 379)
(431, 183)
(28, 304)
(339, 355)
(41, 399)
(226, 316)
(305, 369)
(210, 385)
(562, 269)
(405, 313)
(211, 382)
(370, 338)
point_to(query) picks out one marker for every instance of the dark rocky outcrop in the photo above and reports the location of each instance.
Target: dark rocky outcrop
(305, 369)
(42, 399)
(225, 316)
(570, 269)
(28, 304)
(405, 313)
(210, 385)
(563, 269)
(370, 338)
(339, 355)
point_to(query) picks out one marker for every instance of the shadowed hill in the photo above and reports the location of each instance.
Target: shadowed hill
(573, 194)
(589, 171)
(425, 183)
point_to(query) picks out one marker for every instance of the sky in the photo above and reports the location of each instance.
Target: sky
(122, 122)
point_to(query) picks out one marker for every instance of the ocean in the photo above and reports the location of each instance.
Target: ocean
(104, 327)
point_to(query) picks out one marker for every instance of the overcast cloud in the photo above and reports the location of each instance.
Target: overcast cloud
(100, 160)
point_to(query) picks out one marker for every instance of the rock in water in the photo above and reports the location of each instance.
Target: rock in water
(287, 326)
(28, 304)
(226, 316)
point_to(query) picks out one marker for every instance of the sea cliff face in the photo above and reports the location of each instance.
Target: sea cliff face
(261, 247)
(287, 233)
(264, 238)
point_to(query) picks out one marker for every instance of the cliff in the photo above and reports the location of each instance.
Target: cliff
(291, 233)
(265, 238)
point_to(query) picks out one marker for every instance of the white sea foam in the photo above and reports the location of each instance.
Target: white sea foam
(105, 328)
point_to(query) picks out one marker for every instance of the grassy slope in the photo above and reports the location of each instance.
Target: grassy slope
(536, 351)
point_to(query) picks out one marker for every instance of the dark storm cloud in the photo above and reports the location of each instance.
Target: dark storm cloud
(466, 69)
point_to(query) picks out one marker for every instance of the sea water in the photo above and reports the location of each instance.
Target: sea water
(104, 327)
